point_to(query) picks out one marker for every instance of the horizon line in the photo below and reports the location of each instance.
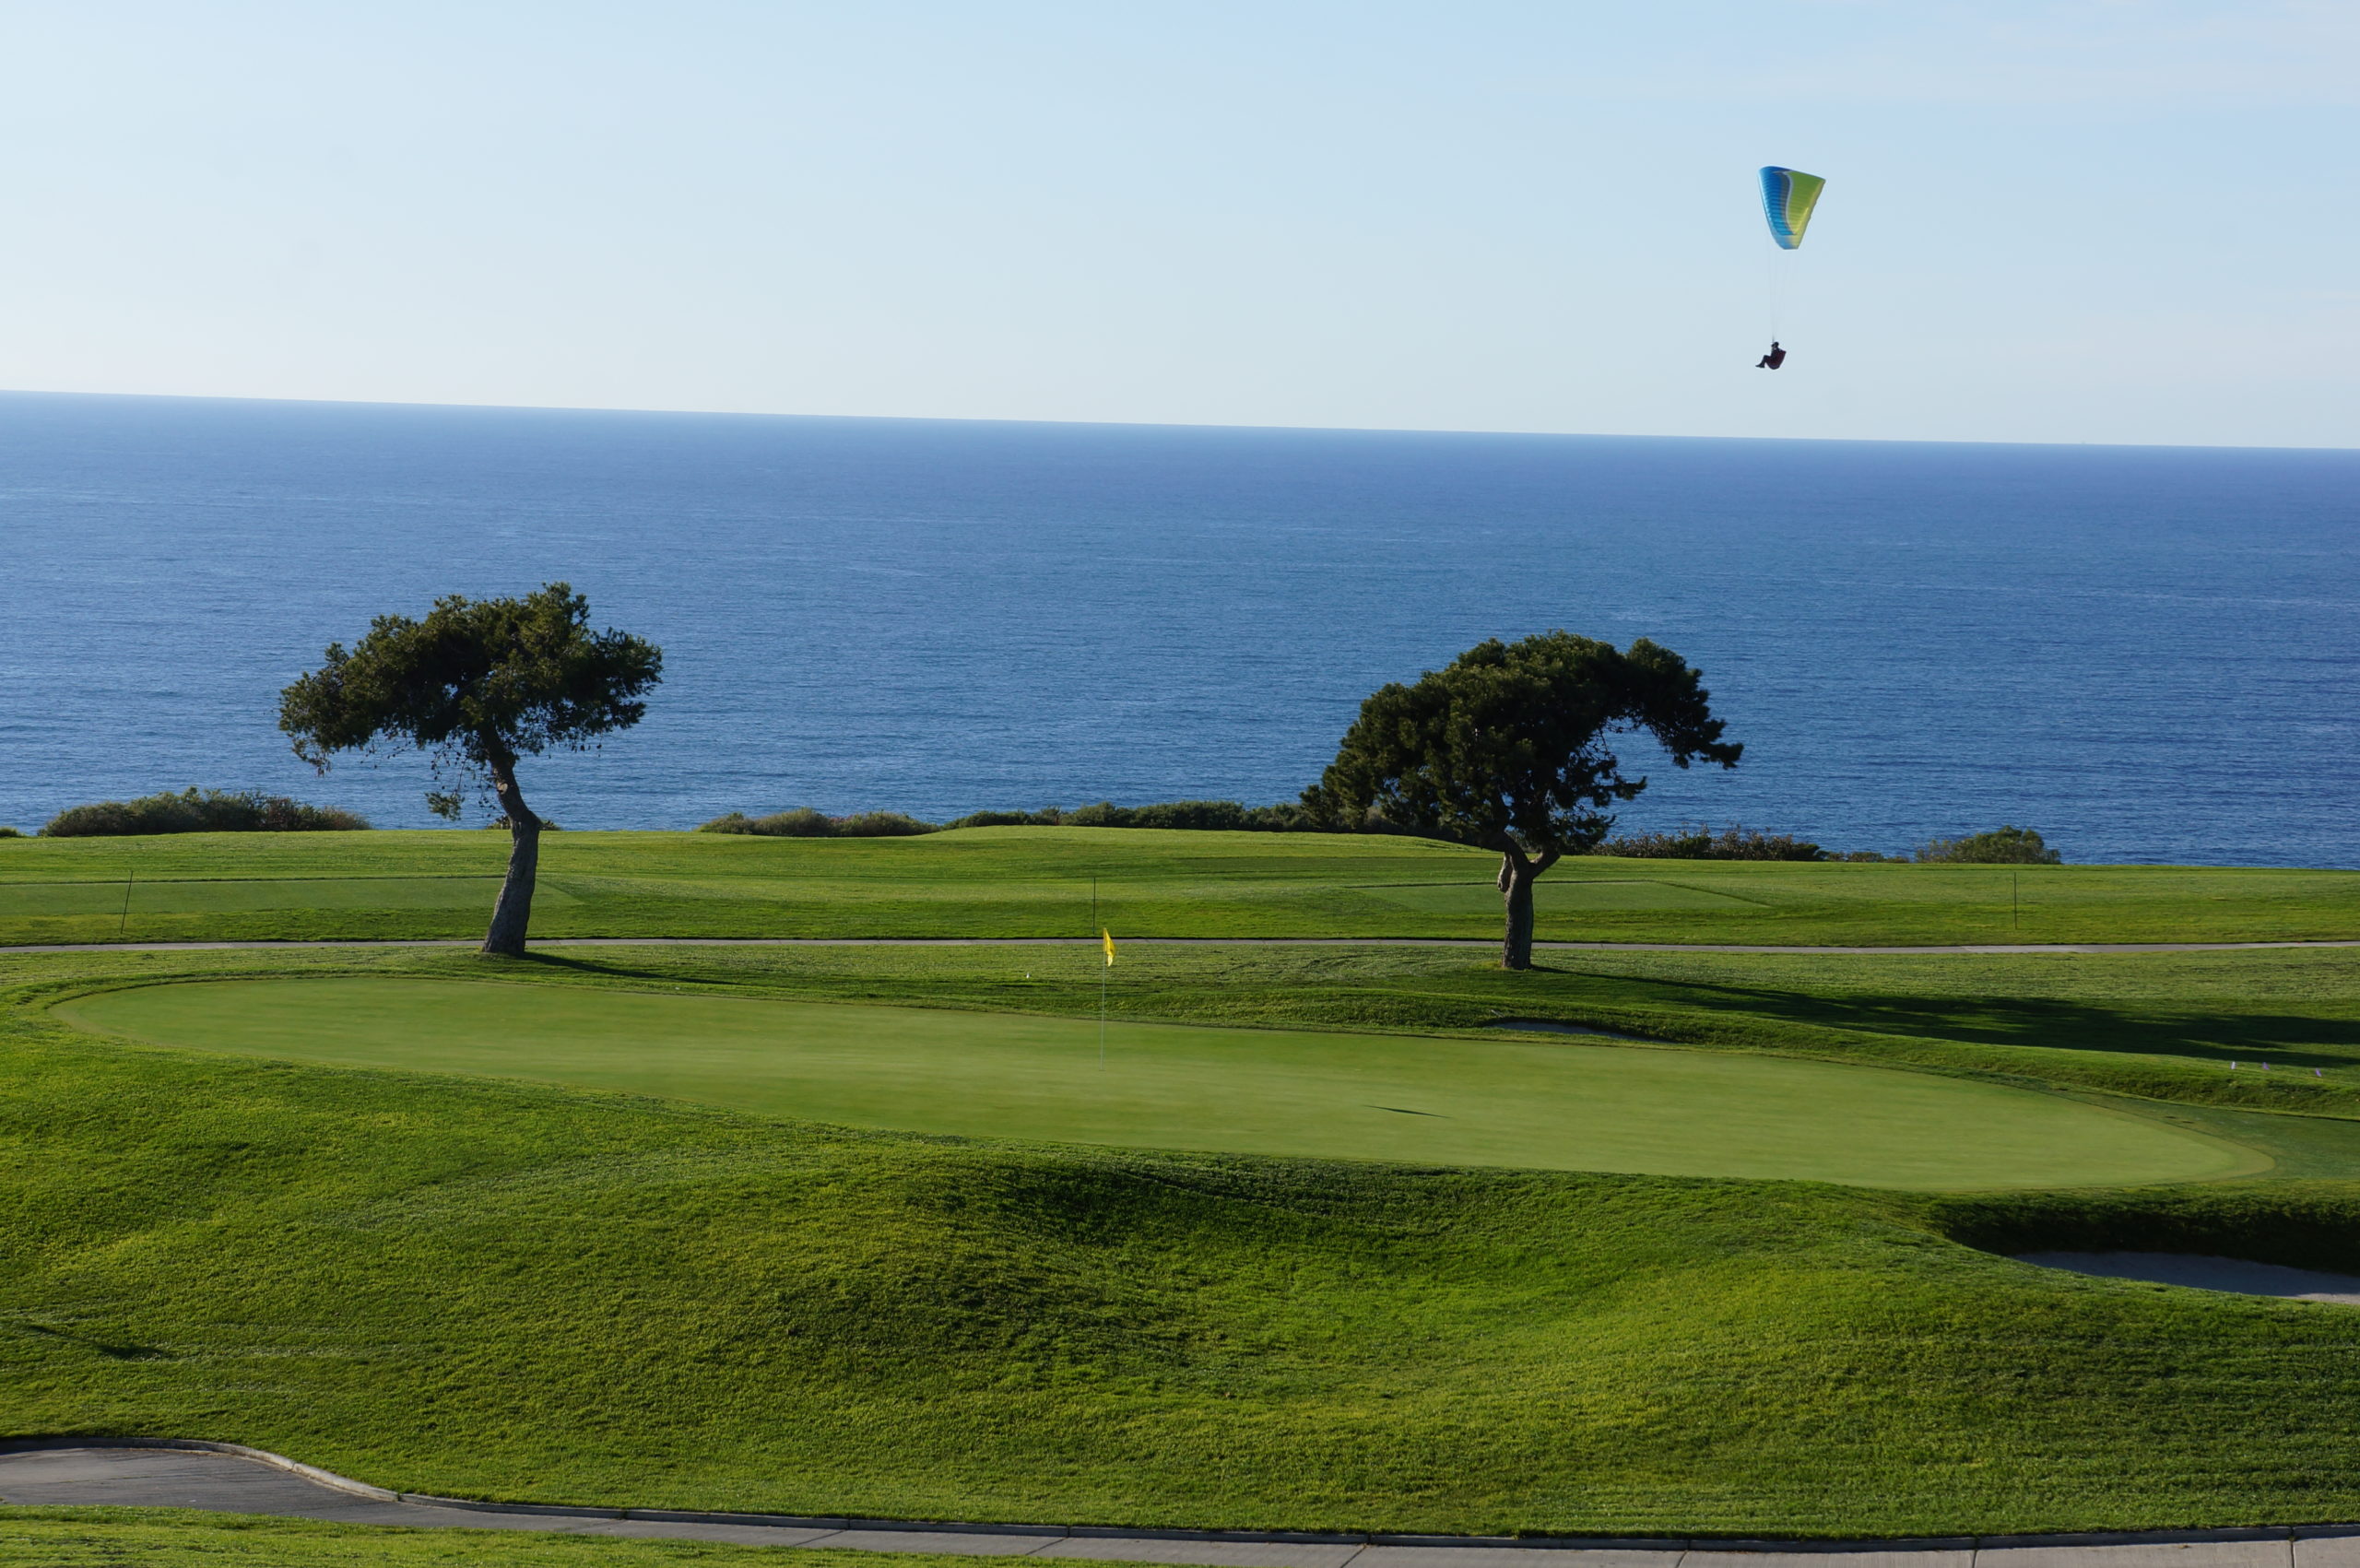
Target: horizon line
(1144, 424)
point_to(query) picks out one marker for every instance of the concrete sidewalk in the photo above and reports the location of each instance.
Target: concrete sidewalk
(244, 1482)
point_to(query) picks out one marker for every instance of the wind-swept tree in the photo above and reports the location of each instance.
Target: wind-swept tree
(1507, 749)
(476, 685)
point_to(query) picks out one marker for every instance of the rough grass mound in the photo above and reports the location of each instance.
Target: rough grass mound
(489, 1289)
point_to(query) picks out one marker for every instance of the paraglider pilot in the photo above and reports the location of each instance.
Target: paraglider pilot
(1772, 360)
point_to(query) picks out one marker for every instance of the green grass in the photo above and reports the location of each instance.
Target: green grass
(174, 1537)
(1531, 1101)
(2187, 1027)
(257, 894)
(571, 1294)
(1037, 881)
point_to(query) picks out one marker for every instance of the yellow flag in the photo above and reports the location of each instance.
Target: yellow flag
(1109, 937)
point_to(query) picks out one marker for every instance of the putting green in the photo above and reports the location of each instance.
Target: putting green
(1548, 1103)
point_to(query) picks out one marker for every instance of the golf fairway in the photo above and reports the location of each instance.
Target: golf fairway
(1546, 1103)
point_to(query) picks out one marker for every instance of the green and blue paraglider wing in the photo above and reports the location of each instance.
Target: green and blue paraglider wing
(1787, 196)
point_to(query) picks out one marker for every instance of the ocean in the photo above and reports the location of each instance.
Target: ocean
(2146, 653)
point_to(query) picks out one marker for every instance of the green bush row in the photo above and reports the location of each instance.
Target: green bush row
(224, 812)
(805, 823)
(1211, 816)
(195, 811)
(2001, 846)
(1214, 815)
(1703, 843)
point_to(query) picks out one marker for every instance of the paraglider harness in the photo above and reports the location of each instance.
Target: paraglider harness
(1788, 198)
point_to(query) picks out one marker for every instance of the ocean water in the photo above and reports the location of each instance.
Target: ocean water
(2149, 654)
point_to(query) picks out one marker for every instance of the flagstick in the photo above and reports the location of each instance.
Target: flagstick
(1101, 969)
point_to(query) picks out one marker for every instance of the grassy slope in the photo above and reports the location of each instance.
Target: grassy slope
(1017, 881)
(166, 1538)
(499, 1289)
(1515, 1100)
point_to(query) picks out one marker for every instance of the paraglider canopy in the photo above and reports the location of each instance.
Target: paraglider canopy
(1787, 196)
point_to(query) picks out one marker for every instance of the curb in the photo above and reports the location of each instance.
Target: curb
(1764, 1545)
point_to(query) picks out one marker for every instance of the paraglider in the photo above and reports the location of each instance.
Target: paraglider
(1788, 196)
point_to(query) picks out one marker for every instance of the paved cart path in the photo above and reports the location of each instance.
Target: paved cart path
(1468, 942)
(223, 1479)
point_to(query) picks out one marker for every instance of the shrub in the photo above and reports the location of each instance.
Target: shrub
(1702, 843)
(6, 832)
(805, 823)
(881, 825)
(210, 811)
(734, 822)
(2001, 846)
(1215, 816)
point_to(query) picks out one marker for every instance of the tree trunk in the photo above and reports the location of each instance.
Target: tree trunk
(1518, 871)
(1516, 887)
(514, 912)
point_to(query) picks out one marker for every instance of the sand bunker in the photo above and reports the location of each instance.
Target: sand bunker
(2233, 1274)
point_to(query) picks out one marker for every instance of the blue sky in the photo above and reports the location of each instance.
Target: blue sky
(2123, 221)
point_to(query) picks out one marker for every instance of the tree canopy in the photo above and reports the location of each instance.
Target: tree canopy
(476, 684)
(1509, 748)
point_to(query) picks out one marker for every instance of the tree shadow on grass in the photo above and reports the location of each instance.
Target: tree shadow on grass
(2198, 1034)
(112, 1351)
(533, 959)
(2290, 1038)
